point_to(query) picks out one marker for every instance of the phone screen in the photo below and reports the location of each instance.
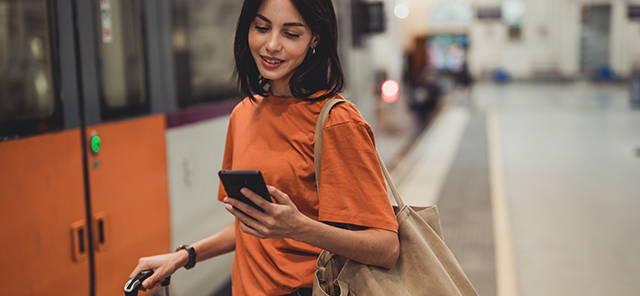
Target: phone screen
(234, 180)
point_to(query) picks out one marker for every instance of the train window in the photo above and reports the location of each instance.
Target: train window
(28, 103)
(203, 34)
(121, 58)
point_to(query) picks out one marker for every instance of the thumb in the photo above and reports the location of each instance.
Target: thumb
(279, 196)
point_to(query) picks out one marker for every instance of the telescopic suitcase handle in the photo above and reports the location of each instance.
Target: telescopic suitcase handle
(133, 285)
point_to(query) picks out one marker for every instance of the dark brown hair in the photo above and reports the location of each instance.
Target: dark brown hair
(318, 72)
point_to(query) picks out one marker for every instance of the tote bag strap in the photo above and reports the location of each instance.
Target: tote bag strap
(317, 152)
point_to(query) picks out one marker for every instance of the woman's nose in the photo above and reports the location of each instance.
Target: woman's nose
(273, 44)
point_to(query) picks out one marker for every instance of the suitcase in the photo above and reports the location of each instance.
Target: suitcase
(133, 285)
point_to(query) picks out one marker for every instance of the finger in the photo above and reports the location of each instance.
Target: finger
(247, 229)
(142, 265)
(239, 214)
(148, 283)
(246, 219)
(153, 281)
(135, 271)
(279, 196)
(255, 198)
(244, 207)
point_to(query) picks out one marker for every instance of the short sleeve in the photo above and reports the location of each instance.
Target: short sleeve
(352, 187)
(227, 159)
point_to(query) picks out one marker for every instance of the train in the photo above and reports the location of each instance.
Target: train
(113, 116)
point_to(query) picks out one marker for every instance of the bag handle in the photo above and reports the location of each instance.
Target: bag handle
(317, 152)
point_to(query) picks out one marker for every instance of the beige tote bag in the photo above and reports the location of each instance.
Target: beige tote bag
(426, 266)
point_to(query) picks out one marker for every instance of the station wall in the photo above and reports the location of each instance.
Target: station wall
(549, 42)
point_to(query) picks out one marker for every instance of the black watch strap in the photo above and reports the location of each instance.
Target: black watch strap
(192, 255)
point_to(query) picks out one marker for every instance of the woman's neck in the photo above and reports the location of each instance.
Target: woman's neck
(280, 88)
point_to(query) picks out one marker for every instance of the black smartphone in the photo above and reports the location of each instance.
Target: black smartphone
(234, 180)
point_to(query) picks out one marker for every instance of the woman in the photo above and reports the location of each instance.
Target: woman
(287, 64)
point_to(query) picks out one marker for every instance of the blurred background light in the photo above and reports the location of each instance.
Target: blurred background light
(401, 11)
(390, 91)
(513, 12)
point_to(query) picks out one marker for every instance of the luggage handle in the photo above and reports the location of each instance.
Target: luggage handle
(133, 285)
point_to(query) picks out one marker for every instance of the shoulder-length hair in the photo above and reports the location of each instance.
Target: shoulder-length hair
(318, 72)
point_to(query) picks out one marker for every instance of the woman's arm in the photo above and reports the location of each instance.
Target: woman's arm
(372, 246)
(218, 244)
(166, 264)
(377, 247)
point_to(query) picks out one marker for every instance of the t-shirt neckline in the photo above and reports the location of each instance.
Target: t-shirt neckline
(271, 99)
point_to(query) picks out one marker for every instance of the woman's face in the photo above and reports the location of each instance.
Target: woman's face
(279, 40)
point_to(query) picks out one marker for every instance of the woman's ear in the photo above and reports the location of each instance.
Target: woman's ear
(315, 40)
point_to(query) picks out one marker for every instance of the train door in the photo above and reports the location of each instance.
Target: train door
(127, 170)
(42, 198)
(83, 178)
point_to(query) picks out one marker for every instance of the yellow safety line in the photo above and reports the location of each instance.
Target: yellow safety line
(506, 276)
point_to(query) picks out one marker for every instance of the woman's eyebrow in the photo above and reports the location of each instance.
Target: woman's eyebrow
(291, 24)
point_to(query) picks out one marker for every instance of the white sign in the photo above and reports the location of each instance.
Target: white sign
(105, 14)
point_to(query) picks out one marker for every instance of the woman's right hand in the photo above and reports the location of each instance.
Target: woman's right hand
(162, 266)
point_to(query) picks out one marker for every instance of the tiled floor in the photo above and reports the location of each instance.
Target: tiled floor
(465, 207)
(573, 185)
(571, 180)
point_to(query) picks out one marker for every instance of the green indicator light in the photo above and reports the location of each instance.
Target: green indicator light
(96, 144)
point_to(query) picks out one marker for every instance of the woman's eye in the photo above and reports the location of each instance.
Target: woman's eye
(292, 35)
(262, 29)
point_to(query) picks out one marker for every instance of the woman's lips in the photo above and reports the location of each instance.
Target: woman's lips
(271, 62)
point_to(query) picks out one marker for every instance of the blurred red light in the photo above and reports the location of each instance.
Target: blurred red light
(390, 91)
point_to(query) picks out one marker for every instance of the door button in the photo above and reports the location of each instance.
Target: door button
(95, 143)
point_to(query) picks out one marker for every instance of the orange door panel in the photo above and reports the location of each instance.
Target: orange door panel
(129, 198)
(42, 212)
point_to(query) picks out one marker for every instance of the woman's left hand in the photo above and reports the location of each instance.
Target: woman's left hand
(279, 220)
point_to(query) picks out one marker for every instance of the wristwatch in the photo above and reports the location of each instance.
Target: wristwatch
(192, 255)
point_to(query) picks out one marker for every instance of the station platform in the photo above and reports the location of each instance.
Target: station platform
(538, 186)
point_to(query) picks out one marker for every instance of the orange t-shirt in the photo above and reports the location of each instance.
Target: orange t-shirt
(276, 136)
